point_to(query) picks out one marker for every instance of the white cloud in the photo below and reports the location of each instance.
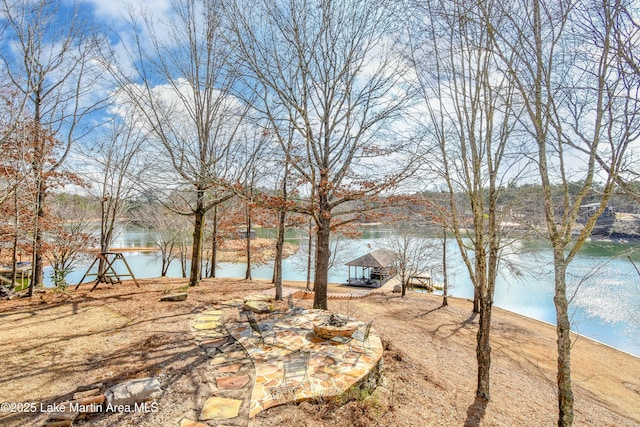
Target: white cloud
(119, 9)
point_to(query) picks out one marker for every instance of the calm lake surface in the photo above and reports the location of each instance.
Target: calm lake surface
(604, 284)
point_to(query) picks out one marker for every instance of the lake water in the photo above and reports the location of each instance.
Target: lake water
(604, 285)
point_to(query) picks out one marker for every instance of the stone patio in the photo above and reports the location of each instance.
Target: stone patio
(249, 373)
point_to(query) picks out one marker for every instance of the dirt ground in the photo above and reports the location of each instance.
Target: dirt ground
(55, 342)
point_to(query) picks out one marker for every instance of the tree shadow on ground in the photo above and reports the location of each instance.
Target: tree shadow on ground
(455, 327)
(429, 312)
(475, 412)
(142, 340)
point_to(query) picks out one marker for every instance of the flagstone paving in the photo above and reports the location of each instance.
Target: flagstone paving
(190, 423)
(220, 408)
(249, 373)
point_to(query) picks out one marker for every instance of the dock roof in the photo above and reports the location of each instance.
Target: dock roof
(379, 258)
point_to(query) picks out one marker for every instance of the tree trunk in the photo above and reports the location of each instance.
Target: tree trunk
(214, 243)
(277, 266)
(14, 263)
(282, 216)
(37, 274)
(198, 232)
(563, 329)
(247, 275)
(39, 267)
(14, 249)
(444, 268)
(404, 281)
(105, 234)
(165, 262)
(323, 254)
(183, 263)
(483, 349)
(476, 300)
(309, 256)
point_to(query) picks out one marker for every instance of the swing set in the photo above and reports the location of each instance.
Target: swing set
(109, 274)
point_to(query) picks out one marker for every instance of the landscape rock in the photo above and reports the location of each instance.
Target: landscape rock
(212, 351)
(62, 416)
(233, 368)
(181, 296)
(329, 332)
(220, 408)
(190, 423)
(259, 306)
(87, 387)
(90, 401)
(258, 297)
(86, 393)
(210, 343)
(134, 391)
(208, 325)
(397, 289)
(6, 292)
(59, 423)
(232, 383)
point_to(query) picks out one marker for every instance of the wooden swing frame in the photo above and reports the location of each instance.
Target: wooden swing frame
(109, 273)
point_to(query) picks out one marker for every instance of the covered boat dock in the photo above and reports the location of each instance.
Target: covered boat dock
(372, 270)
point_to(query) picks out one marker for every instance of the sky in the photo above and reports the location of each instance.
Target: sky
(114, 15)
(115, 10)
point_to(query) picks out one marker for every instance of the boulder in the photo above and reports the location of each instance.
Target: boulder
(87, 393)
(259, 306)
(258, 297)
(397, 289)
(87, 387)
(181, 296)
(328, 332)
(134, 391)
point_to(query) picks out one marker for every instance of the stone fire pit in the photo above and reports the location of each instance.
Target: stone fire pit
(335, 326)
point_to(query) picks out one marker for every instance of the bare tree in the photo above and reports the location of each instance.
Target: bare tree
(49, 63)
(213, 258)
(14, 167)
(224, 221)
(167, 230)
(467, 101)
(326, 70)
(627, 32)
(412, 254)
(310, 245)
(581, 109)
(117, 166)
(255, 160)
(445, 278)
(282, 222)
(17, 200)
(69, 238)
(182, 90)
(282, 208)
